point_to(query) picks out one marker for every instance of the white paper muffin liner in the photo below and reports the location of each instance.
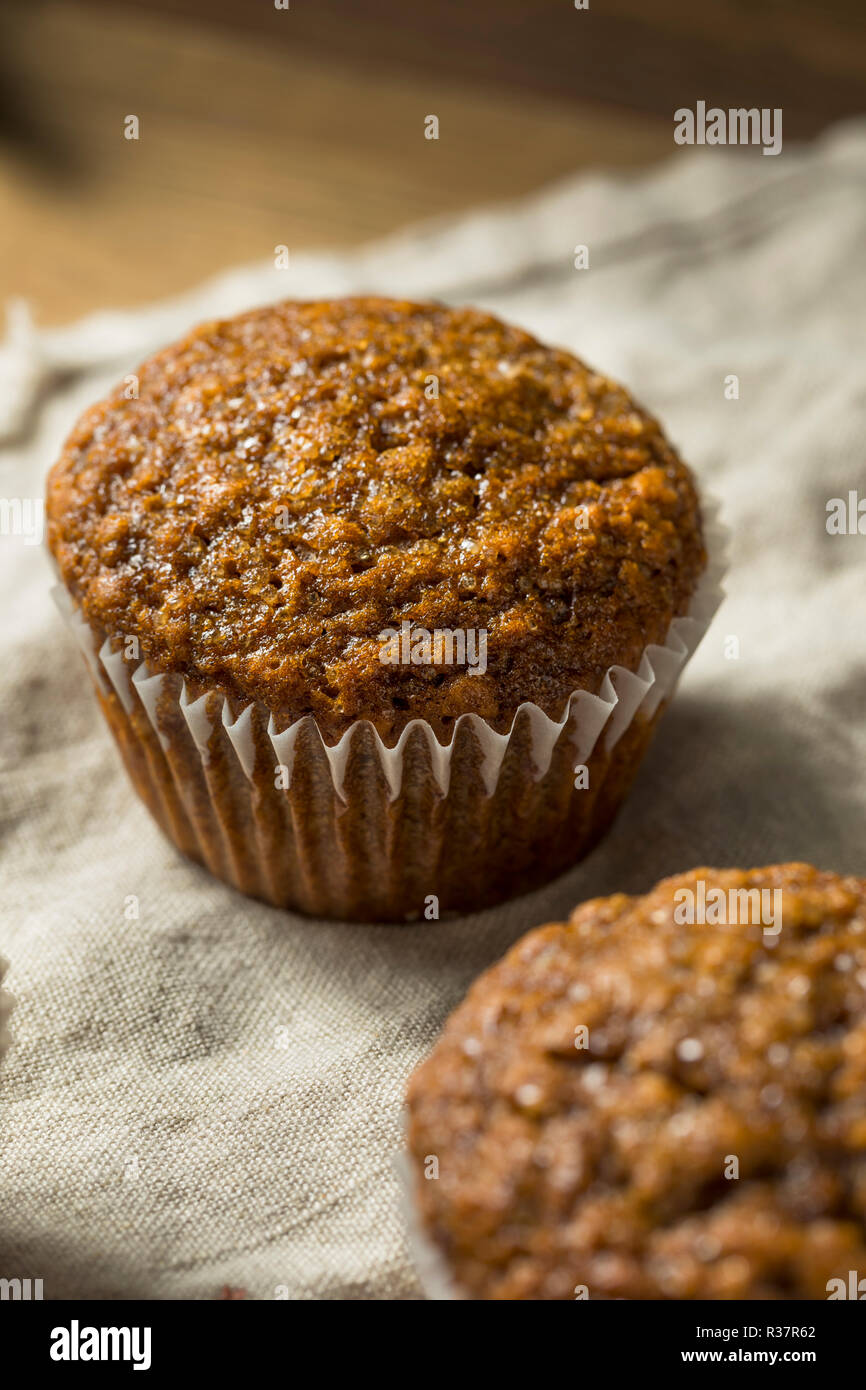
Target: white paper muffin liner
(213, 798)
(6, 1005)
(429, 1263)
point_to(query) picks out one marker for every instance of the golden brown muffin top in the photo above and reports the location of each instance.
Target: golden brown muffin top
(609, 1165)
(292, 483)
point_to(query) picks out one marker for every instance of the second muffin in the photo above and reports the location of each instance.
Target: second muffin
(352, 577)
(661, 1098)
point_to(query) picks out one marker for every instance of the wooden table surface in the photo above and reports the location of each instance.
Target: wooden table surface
(257, 133)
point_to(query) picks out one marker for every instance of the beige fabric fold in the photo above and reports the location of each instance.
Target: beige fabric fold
(203, 1091)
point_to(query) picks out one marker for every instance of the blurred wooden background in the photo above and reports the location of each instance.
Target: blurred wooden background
(305, 126)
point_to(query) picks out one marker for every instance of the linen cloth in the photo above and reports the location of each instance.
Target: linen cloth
(210, 1092)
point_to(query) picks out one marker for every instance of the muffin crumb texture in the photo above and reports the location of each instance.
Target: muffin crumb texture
(710, 1140)
(289, 484)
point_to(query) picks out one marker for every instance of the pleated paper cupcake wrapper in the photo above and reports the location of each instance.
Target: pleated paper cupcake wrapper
(336, 837)
(428, 1261)
(6, 1003)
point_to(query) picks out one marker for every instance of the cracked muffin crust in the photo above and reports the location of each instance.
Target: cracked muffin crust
(609, 1166)
(275, 495)
(288, 484)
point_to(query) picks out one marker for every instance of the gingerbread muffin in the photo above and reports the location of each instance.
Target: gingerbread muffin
(661, 1098)
(353, 576)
